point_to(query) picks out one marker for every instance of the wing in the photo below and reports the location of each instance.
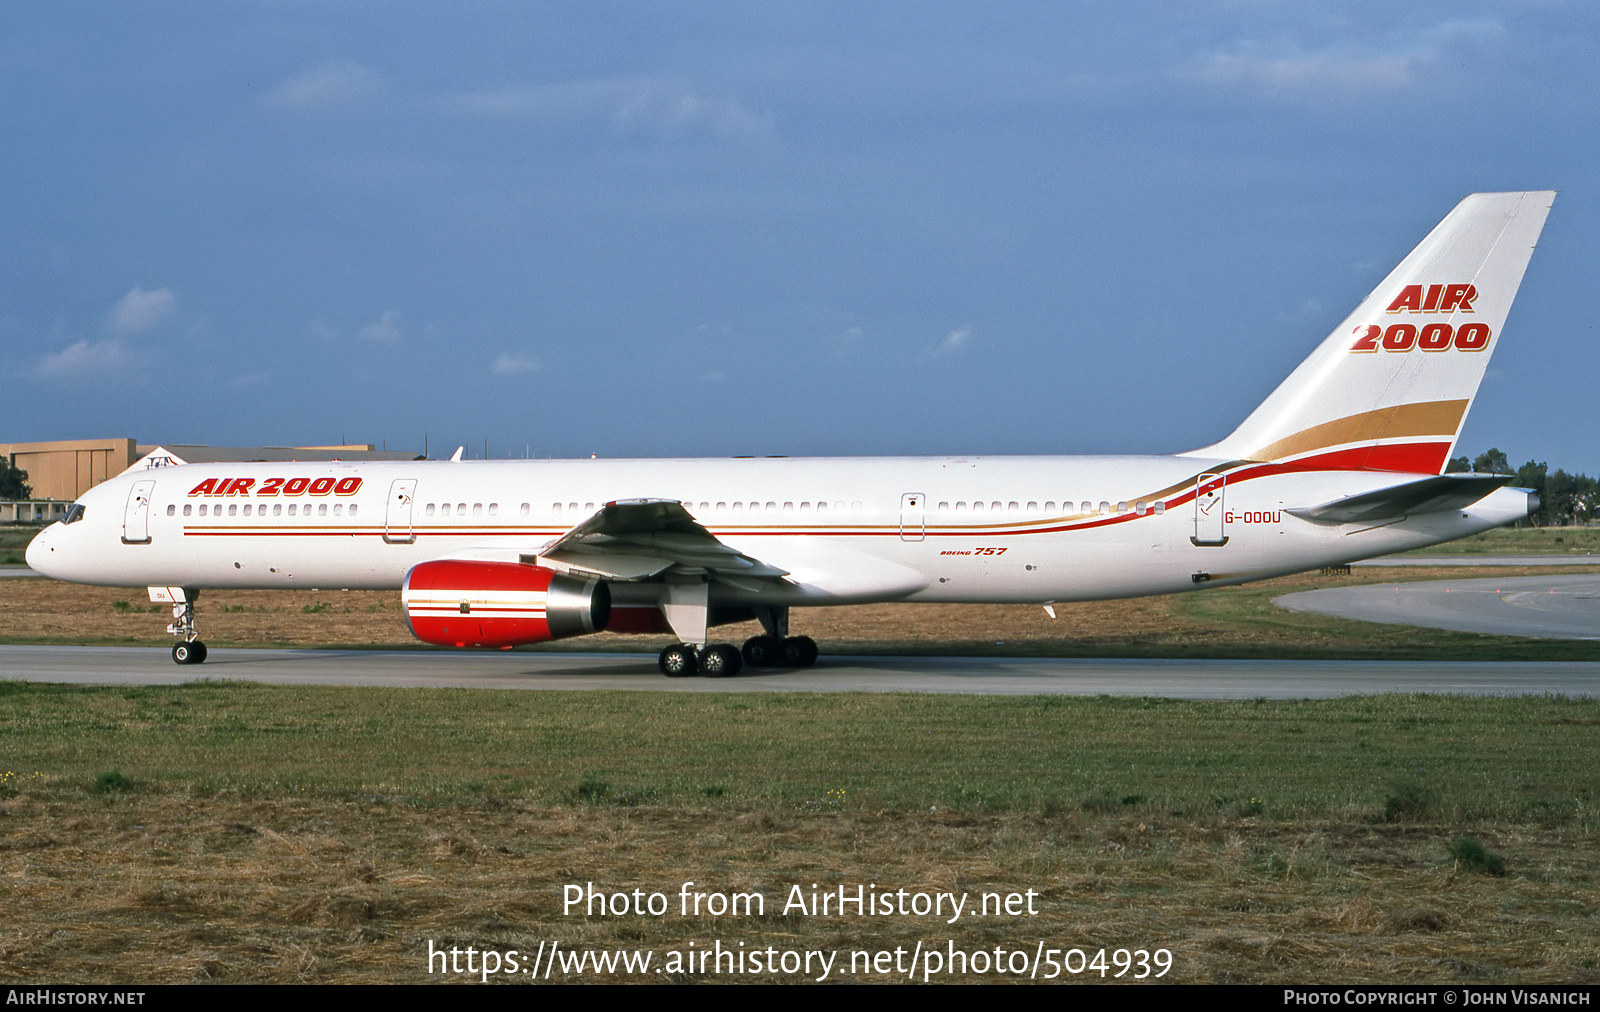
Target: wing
(1429, 495)
(637, 539)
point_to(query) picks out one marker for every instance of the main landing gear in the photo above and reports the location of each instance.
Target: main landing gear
(775, 649)
(191, 650)
(723, 660)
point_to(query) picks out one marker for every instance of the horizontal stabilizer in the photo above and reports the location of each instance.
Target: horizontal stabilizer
(1429, 495)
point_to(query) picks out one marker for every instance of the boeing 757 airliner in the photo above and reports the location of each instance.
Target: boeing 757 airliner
(1343, 461)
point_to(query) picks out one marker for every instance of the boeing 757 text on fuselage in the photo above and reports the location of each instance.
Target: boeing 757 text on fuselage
(1343, 461)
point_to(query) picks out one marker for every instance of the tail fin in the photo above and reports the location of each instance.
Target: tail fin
(1389, 388)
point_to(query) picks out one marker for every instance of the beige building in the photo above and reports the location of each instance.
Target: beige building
(66, 469)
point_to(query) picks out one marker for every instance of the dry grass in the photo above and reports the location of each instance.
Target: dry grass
(169, 889)
(318, 834)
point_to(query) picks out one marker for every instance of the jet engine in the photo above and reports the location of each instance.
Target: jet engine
(461, 603)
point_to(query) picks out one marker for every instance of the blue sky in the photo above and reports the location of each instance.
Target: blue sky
(707, 229)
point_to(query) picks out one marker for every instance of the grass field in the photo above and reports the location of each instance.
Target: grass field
(14, 543)
(242, 832)
(1523, 541)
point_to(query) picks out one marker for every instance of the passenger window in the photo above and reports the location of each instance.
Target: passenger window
(944, 507)
(277, 509)
(461, 509)
(430, 509)
(246, 509)
(1138, 509)
(186, 509)
(961, 507)
(555, 508)
(291, 509)
(1105, 507)
(588, 507)
(1122, 507)
(338, 508)
(788, 507)
(322, 509)
(738, 506)
(805, 507)
(1050, 507)
(1161, 508)
(526, 508)
(233, 509)
(494, 509)
(1012, 507)
(772, 507)
(1033, 507)
(353, 508)
(822, 507)
(855, 507)
(173, 509)
(721, 507)
(1088, 507)
(477, 509)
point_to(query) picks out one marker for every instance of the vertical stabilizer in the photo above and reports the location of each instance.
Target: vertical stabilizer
(1389, 389)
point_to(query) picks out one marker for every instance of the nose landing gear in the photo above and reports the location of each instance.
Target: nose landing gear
(191, 650)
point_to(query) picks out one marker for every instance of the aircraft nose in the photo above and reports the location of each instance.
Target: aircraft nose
(40, 549)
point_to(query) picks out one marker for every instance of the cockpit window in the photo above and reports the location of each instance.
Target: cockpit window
(74, 514)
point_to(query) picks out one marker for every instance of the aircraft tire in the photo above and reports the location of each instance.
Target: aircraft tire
(798, 652)
(678, 661)
(762, 651)
(189, 653)
(720, 661)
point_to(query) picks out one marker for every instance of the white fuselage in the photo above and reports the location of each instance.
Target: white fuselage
(846, 530)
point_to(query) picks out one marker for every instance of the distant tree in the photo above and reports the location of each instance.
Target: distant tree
(14, 482)
(1563, 498)
(1491, 461)
(1532, 475)
(1585, 497)
(1458, 464)
(1568, 498)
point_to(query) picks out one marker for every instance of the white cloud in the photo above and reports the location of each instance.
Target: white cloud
(83, 359)
(628, 106)
(140, 310)
(385, 329)
(513, 365)
(332, 84)
(954, 340)
(1284, 69)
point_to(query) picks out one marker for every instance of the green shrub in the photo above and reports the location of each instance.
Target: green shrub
(1474, 856)
(112, 783)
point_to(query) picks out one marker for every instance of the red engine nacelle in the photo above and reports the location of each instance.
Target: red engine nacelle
(500, 604)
